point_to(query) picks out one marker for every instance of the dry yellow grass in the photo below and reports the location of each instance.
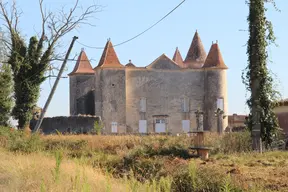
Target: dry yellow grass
(268, 170)
(33, 172)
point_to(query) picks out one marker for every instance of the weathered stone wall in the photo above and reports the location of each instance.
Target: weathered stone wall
(164, 91)
(83, 87)
(72, 95)
(98, 93)
(117, 93)
(215, 87)
(79, 85)
(113, 98)
(72, 124)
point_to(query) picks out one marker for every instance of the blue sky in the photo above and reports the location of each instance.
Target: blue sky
(222, 20)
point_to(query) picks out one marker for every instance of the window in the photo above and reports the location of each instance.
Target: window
(142, 126)
(185, 104)
(220, 104)
(143, 104)
(160, 121)
(114, 127)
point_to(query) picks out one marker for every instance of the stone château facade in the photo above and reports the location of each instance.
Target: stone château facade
(161, 97)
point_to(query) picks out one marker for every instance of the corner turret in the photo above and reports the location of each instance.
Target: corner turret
(82, 72)
(215, 90)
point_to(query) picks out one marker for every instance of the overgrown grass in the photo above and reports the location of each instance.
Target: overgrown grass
(148, 163)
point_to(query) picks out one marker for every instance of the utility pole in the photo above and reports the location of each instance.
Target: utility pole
(39, 122)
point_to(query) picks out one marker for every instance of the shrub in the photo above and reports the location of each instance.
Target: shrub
(98, 127)
(18, 140)
(236, 142)
(27, 144)
(200, 180)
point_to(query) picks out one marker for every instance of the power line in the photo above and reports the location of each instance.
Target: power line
(44, 67)
(139, 33)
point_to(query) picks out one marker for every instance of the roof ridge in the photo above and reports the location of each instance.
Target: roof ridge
(160, 57)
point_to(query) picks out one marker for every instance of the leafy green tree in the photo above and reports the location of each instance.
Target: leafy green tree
(261, 121)
(30, 61)
(6, 91)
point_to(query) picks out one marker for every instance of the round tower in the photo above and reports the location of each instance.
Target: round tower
(215, 91)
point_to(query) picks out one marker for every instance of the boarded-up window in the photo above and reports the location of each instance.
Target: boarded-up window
(160, 126)
(186, 126)
(220, 103)
(114, 128)
(185, 104)
(143, 104)
(142, 126)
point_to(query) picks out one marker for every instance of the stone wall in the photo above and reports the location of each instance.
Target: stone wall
(112, 90)
(72, 124)
(79, 85)
(164, 91)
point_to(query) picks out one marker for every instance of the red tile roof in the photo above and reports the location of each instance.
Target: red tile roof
(83, 65)
(177, 58)
(109, 57)
(196, 53)
(214, 58)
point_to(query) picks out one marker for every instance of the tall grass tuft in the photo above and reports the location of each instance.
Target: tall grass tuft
(56, 171)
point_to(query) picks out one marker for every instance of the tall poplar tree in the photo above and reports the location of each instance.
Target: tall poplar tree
(261, 120)
(6, 84)
(6, 91)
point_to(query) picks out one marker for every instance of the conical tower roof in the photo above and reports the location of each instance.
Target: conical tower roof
(83, 65)
(214, 58)
(196, 53)
(177, 58)
(109, 57)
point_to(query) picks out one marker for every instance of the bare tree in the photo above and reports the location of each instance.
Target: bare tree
(30, 60)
